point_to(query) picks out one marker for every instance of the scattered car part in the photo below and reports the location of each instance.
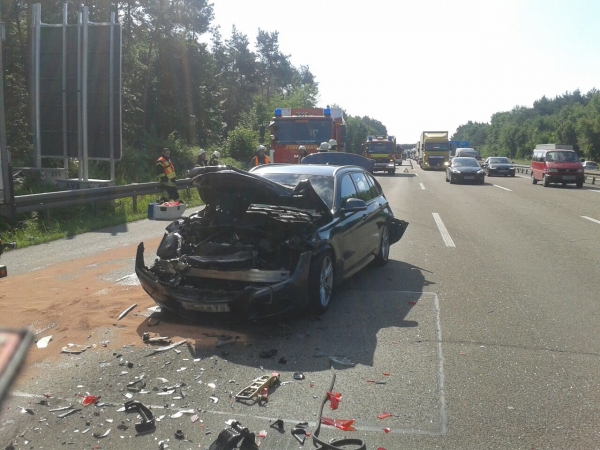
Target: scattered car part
(155, 340)
(339, 444)
(230, 437)
(43, 342)
(260, 383)
(299, 434)
(298, 376)
(100, 436)
(278, 425)
(68, 413)
(179, 435)
(127, 311)
(148, 423)
(169, 347)
(75, 349)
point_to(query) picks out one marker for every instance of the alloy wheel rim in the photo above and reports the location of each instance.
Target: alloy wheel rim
(326, 281)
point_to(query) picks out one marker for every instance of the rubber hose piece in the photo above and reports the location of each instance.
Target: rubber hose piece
(334, 445)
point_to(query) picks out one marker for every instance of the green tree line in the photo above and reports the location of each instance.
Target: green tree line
(183, 85)
(571, 119)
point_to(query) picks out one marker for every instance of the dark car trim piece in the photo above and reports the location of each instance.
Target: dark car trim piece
(179, 299)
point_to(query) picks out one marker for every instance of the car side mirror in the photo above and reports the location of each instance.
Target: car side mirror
(354, 205)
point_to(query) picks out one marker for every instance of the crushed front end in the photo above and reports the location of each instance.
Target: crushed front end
(250, 263)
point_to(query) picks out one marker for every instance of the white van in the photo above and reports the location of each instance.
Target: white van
(467, 152)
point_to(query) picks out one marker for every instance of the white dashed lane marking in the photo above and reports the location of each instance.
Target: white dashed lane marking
(443, 231)
(422, 186)
(502, 187)
(591, 220)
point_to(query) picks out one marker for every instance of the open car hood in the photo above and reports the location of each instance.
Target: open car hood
(218, 185)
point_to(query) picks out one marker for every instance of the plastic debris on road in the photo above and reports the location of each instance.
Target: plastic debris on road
(127, 311)
(89, 400)
(344, 425)
(75, 349)
(387, 430)
(384, 415)
(43, 342)
(334, 399)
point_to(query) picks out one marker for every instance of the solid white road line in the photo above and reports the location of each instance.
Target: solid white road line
(593, 220)
(502, 187)
(443, 231)
(422, 186)
(592, 190)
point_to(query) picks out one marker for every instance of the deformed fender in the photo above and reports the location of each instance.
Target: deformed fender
(397, 229)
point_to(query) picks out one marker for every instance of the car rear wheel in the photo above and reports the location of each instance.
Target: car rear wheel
(579, 184)
(320, 283)
(545, 181)
(533, 180)
(384, 248)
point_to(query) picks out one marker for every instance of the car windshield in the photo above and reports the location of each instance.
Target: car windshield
(562, 157)
(322, 184)
(499, 161)
(380, 147)
(437, 147)
(301, 130)
(467, 162)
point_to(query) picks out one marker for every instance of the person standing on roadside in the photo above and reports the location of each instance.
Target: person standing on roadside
(260, 157)
(302, 153)
(166, 176)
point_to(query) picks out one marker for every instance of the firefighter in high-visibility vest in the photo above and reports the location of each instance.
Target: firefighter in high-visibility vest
(166, 176)
(260, 157)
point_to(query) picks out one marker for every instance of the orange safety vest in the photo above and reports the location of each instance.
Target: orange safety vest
(256, 163)
(167, 166)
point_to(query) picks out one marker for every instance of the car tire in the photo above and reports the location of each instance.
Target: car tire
(320, 282)
(447, 178)
(545, 181)
(451, 180)
(383, 255)
(512, 174)
(533, 180)
(579, 184)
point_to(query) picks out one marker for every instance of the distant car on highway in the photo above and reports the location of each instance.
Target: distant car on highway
(590, 165)
(463, 170)
(498, 165)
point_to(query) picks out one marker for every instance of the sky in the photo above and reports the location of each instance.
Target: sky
(419, 65)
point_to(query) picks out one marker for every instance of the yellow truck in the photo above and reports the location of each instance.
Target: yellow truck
(433, 150)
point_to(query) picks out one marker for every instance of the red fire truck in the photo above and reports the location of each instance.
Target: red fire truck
(293, 127)
(381, 149)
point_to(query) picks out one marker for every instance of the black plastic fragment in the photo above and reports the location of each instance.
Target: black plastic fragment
(278, 425)
(299, 434)
(179, 435)
(147, 425)
(231, 436)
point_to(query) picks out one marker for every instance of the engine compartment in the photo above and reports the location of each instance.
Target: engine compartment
(263, 238)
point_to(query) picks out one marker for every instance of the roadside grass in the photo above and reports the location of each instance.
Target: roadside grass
(39, 227)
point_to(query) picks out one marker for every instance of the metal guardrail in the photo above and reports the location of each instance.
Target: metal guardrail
(592, 176)
(49, 200)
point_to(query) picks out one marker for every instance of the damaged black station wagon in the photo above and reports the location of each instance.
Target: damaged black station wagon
(271, 240)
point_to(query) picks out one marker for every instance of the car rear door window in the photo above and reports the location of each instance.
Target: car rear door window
(348, 190)
(375, 188)
(362, 186)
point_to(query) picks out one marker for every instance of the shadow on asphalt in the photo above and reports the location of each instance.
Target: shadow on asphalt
(373, 300)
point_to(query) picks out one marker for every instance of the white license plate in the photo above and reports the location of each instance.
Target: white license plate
(469, 177)
(569, 177)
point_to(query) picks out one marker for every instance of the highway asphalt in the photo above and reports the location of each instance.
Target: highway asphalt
(481, 332)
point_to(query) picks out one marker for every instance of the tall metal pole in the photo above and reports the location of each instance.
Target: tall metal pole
(79, 128)
(37, 141)
(111, 93)
(84, 91)
(64, 89)
(4, 173)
